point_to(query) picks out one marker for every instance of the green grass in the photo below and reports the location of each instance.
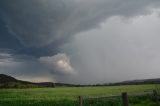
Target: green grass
(67, 96)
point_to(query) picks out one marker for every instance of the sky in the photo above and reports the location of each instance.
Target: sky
(80, 41)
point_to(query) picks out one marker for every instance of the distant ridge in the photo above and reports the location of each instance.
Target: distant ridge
(11, 82)
(141, 81)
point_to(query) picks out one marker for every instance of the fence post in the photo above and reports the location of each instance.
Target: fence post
(156, 96)
(80, 101)
(125, 98)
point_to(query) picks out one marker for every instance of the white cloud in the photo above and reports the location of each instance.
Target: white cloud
(58, 64)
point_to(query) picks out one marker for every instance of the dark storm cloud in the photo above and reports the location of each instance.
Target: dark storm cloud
(9, 43)
(38, 23)
(34, 23)
(32, 32)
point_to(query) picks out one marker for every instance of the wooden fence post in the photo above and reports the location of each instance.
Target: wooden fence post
(156, 96)
(125, 99)
(80, 101)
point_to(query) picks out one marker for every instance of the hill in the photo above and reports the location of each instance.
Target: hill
(10, 82)
(6, 78)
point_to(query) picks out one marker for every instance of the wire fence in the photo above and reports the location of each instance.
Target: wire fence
(121, 100)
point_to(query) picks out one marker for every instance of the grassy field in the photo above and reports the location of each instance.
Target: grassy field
(67, 96)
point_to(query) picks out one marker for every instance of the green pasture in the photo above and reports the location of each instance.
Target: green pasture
(67, 96)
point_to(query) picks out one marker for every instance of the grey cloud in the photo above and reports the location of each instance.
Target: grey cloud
(118, 51)
(21, 65)
(6, 60)
(38, 23)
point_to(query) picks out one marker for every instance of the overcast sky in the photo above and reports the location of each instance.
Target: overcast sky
(80, 41)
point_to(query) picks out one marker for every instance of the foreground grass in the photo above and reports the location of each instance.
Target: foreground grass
(67, 96)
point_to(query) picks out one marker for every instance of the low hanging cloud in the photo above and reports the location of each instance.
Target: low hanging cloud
(24, 67)
(58, 64)
(37, 23)
(6, 60)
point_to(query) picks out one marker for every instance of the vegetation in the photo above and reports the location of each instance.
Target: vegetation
(67, 96)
